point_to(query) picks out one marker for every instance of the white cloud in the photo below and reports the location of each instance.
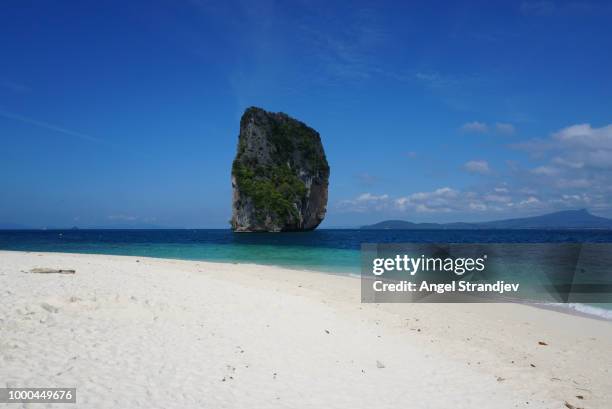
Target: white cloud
(438, 200)
(122, 217)
(564, 162)
(586, 137)
(475, 127)
(504, 129)
(477, 206)
(579, 183)
(368, 197)
(572, 169)
(530, 201)
(545, 171)
(441, 200)
(365, 202)
(573, 201)
(574, 162)
(579, 150)
(477, 166)
(447, 200)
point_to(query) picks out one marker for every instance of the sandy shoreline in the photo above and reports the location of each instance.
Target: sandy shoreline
(142, 332)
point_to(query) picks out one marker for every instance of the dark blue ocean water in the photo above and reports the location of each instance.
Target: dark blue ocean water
(325, 250)
(335, 251)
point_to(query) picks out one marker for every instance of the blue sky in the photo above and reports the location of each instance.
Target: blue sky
(128, 112)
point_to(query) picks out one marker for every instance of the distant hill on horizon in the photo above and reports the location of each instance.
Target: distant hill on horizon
(567, 219)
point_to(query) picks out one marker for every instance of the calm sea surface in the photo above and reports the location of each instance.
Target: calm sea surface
(326, 250)
(329, 250)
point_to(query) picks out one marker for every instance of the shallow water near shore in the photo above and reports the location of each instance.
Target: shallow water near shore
(328, 250)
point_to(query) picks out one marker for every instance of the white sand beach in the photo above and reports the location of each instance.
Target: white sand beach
(135, 332)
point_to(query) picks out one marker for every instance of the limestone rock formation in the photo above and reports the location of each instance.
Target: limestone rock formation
(280, 174)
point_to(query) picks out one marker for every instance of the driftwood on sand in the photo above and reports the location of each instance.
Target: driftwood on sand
(51, 271)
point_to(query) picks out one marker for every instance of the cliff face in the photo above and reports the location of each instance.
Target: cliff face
(280, 174)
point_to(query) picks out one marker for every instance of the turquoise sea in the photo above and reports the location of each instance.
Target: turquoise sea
(329, 250)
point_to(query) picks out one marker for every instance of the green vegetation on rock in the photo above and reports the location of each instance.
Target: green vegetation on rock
(272, 188)
(280, 174)
(285, 134)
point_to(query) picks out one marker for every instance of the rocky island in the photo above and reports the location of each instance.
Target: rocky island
(280, 174)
